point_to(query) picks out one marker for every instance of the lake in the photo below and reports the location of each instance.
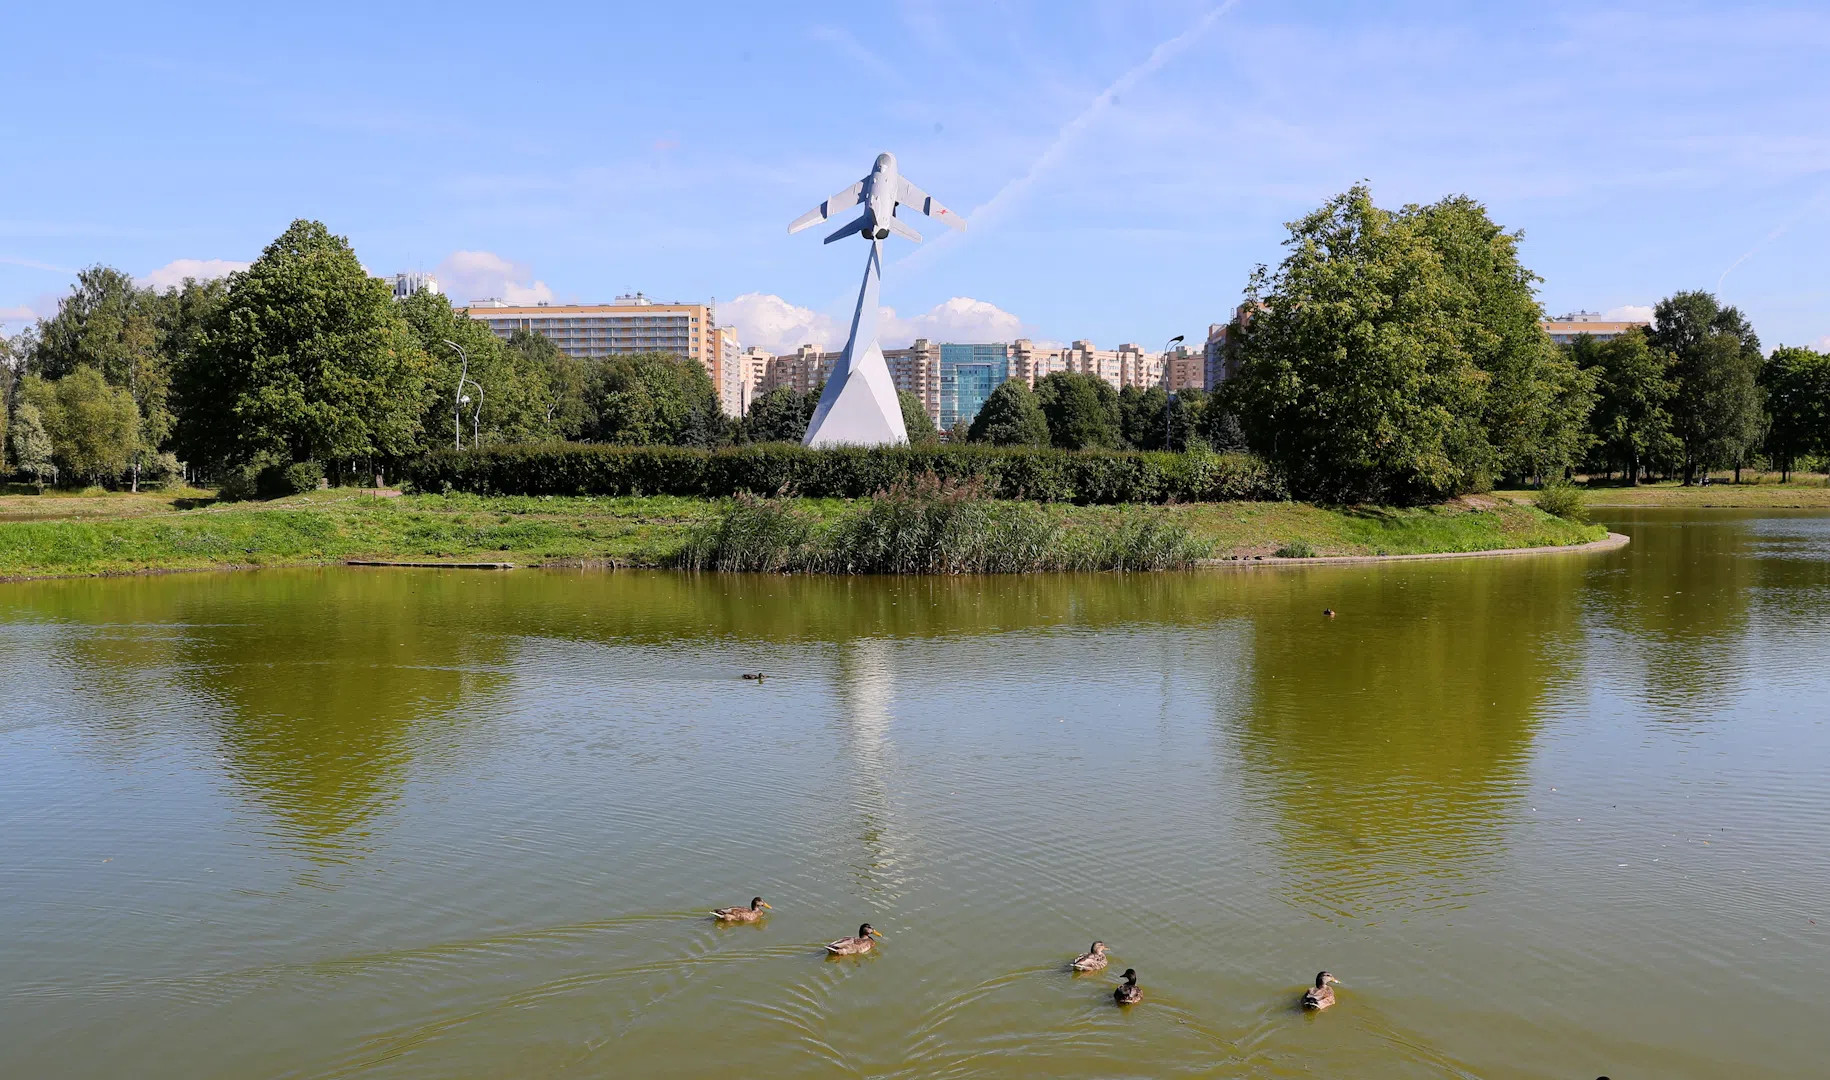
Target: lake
(1555, 816)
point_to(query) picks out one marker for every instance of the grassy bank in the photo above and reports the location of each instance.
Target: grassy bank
(1812, 493)
(111, 534)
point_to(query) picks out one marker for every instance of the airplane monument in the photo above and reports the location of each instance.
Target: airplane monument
(859, 405)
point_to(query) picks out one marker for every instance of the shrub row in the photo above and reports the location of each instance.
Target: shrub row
(1037, 474)
(933, 532)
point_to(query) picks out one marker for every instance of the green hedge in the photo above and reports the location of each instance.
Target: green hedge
(1008, 472)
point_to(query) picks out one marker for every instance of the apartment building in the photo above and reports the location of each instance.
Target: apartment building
(1567, 328)
(1185, 369)
(631, 324)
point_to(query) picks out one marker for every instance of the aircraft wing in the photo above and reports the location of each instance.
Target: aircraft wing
(912, 196)
(839, 203)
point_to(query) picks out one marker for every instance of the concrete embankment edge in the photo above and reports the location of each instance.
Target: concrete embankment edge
(1612, 541)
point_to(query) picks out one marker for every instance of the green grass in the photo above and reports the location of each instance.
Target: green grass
(1806, 493)
(114, 534)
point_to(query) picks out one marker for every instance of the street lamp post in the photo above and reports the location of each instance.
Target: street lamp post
(476, 417)
(457, 406)
(1168, 394)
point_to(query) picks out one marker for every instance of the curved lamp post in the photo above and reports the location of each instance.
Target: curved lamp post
(457, 406)
(1168, 394)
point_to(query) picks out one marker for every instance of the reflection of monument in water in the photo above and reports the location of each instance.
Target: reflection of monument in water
(866, 687)
(859, 405)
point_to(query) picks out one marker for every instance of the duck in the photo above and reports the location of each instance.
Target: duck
(1321, 995)
(754, 677)
(742, 914)
(1327, 613)
(1093, 959)
(854, 946)
(1128, 993)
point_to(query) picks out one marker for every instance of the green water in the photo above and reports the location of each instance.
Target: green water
(1547, 817)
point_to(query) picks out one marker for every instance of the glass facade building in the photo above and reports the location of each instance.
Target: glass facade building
(968, 375)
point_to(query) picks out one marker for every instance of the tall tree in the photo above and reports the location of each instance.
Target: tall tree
(30, 443)
(565, 411)
(1081, 410)
(1630, 423)
(513, 405)
(1797, 385)
(1143, 417)
(781, 415)
(1716, 407)
(1356, 380)
(94, 428)
(916, 421)
(1011, 416)
(1187, 412)
(1535, 402)
(308, 359)
(655, 398)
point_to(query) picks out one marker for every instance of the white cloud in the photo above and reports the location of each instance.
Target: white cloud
(959, 319)
(1822, 344)
(1629, 313)
(474, 275)
(18, 313)
(173, 273)
(772, 323)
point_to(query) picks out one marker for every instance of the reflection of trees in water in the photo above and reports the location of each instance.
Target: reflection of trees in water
(866, 686)
(320, 683)
(1673, 618)
(1386, 744)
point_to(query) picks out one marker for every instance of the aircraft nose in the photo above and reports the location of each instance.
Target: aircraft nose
(885, 160)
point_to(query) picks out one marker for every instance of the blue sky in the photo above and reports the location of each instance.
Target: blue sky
(1123, 165)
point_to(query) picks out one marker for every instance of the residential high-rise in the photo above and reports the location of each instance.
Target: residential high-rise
(633, 324)
(414, 281)
(1184, 369)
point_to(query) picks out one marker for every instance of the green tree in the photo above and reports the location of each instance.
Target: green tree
(515, 385)
(1356, 380)
(94, 428)
(1081, 410)
(1797, 386)
(1630, 425)
(1218, 426)
(1187, 414)
(565, 410)
(916, 421)
(781, 415)
(1534, 403)
(308, 359)
(31, 444)
(111, 325)
(1716, 408)
(1011, 416)
(654, 398)
(1143, 417)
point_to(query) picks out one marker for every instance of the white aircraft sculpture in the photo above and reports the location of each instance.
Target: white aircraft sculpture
(859, 405)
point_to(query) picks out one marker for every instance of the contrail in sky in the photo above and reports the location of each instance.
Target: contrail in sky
(990, 210)
(1772, 236)
(30, 264)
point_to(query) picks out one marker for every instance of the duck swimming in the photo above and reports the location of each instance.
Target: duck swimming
(741, 914)
(1128, 993)
(1321, 995)
(756, 677)
(1093, 959)
(854, 946)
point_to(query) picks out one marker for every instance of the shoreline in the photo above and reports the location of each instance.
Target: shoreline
(1608, 543)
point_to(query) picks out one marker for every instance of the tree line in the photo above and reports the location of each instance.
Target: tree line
(1392, 356)
(304, 361)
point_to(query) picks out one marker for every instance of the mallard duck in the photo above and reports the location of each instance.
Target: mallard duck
(852, 946)
(1327, 613)
(757, 677)
(742, 914)
(1093, 959)
(1128, 993)
(1321, 995)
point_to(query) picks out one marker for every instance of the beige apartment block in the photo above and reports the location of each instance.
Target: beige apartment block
(1567, 328)
(633, 324)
